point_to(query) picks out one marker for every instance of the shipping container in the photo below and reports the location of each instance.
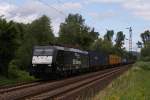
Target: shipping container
(98, 59)
(114, 60)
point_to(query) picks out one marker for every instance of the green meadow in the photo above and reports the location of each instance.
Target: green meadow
(132, 85)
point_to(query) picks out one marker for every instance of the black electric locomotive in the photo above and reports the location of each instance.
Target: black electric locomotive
(48, 61)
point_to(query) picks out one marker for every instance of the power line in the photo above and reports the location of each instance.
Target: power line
(52, 7)
(60, 2)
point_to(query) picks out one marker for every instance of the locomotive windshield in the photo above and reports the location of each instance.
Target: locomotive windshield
(43, 52)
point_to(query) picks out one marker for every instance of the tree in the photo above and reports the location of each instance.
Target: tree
(74, 32)
(101, 45)
(107, 44)
(97, 45)
(39, 32)
(145, 54)
(8, 44)
(139, 44)
(146, 38)
(109, 35)
(120, 40)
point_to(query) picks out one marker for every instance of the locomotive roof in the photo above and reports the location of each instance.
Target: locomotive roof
(62, 48)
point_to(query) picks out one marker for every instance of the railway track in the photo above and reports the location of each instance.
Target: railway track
(18, 86)
(57, 89)
(101, 80)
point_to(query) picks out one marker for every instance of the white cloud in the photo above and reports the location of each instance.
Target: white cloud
(31, 10)
(5, 9)
(102, 15)
(69, 6)
(24, 19)
(140, 8)
(56, 24)
(104, 1)
(16, 13)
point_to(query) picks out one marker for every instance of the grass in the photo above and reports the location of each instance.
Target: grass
(22, 76)
(133, 85)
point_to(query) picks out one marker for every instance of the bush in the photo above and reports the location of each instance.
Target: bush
(143, 65)
(14, 78)
(13, 70)
(147, 59)
(15, 73)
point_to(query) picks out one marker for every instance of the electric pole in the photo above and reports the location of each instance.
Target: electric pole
(130, 38)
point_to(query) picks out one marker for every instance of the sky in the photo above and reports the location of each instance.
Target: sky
(103, 15)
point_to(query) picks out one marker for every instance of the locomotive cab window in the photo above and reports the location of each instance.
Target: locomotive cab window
(43, 52)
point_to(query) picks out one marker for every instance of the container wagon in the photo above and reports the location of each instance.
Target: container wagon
(53, 61)
(114, 60)
(98, 60)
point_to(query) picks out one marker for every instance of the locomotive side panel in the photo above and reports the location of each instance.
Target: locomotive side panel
(68, 60)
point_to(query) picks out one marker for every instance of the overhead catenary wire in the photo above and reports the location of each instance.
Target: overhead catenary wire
(61, 12)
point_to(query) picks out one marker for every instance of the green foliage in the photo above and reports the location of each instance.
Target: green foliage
(109, 35)
(97, 45)
(120, 40)
(22, 76)
(106, 44)
(39, 32)
(144, 58)
(8, 44)
(145, 54)
(13, 70)
(133, 85)
(74, 32)
(146, 38)
(139, 44)
(143, 65)
(17, 41)
(15, 75)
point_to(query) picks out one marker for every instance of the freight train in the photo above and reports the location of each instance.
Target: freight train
(56, 61)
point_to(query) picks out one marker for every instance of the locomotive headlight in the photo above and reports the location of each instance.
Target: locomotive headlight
(34, 65)
(49, 65)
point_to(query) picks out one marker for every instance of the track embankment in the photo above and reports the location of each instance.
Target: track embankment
(65, 89)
